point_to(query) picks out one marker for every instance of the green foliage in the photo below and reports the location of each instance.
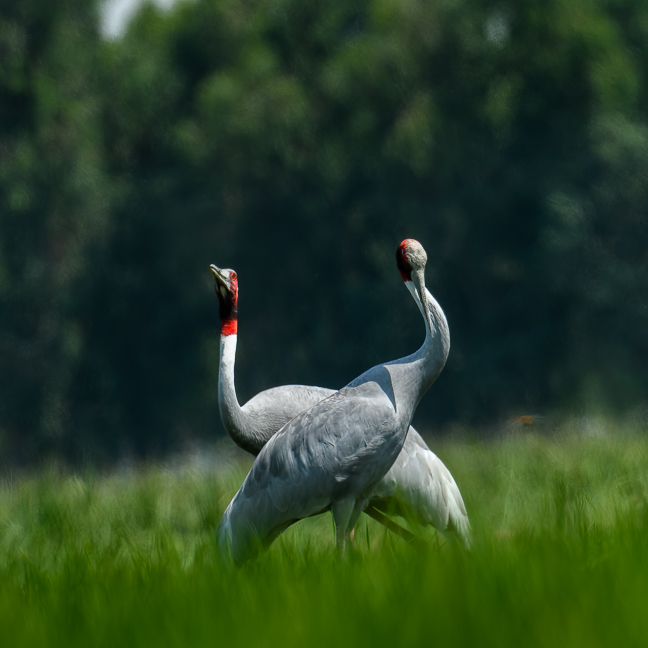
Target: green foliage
(299, 144)
(130, 557)
(54, 208)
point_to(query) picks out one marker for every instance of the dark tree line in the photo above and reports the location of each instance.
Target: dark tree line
(299, 143)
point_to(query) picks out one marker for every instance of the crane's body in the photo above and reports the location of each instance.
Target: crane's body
(328, 457)
(418, 486)
(337, 453)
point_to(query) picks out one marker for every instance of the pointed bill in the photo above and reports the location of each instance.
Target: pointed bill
(418, 278)
(218, 275)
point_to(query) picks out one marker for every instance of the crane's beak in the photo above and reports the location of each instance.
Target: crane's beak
(418, 278)
(218, 275)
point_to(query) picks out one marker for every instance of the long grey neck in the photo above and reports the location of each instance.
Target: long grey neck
(413, 375)
(236, 422)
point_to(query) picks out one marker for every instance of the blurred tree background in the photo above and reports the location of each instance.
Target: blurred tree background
(299, 143)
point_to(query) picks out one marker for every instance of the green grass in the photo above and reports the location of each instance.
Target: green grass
(560, 558)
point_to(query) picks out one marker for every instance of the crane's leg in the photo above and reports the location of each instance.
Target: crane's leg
(342, 513)
(391, 525)
(355, 515)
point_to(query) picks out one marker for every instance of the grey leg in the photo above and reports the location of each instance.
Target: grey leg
(342, 513)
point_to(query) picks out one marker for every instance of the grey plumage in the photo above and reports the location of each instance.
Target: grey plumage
(417, 487)
(421, 489)
(267, 412)
(335, 454)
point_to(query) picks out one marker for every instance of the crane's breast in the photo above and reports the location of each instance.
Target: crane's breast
(337, 448)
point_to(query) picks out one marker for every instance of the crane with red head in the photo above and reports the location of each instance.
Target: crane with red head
(417, 485)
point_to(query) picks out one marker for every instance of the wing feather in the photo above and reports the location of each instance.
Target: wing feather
(419, 487)
(327, 452)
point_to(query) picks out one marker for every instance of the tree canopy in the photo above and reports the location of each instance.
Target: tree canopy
(299, 143)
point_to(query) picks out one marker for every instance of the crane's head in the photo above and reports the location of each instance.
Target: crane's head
(411, 259)
(227, 292)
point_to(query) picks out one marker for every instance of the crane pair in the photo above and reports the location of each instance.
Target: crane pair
(347, 451)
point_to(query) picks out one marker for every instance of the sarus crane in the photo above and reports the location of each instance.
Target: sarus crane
(326, 448)
(418, 487)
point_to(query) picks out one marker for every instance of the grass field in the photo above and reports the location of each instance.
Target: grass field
(560, 558)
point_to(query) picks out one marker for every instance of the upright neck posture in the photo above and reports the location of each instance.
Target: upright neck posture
(252, 425)
(231, 414)
(413, 375)
(334, 454)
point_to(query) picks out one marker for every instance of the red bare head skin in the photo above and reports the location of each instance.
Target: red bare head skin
(411, 259)
(229, 327)
(402, 259)
(227, 293)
